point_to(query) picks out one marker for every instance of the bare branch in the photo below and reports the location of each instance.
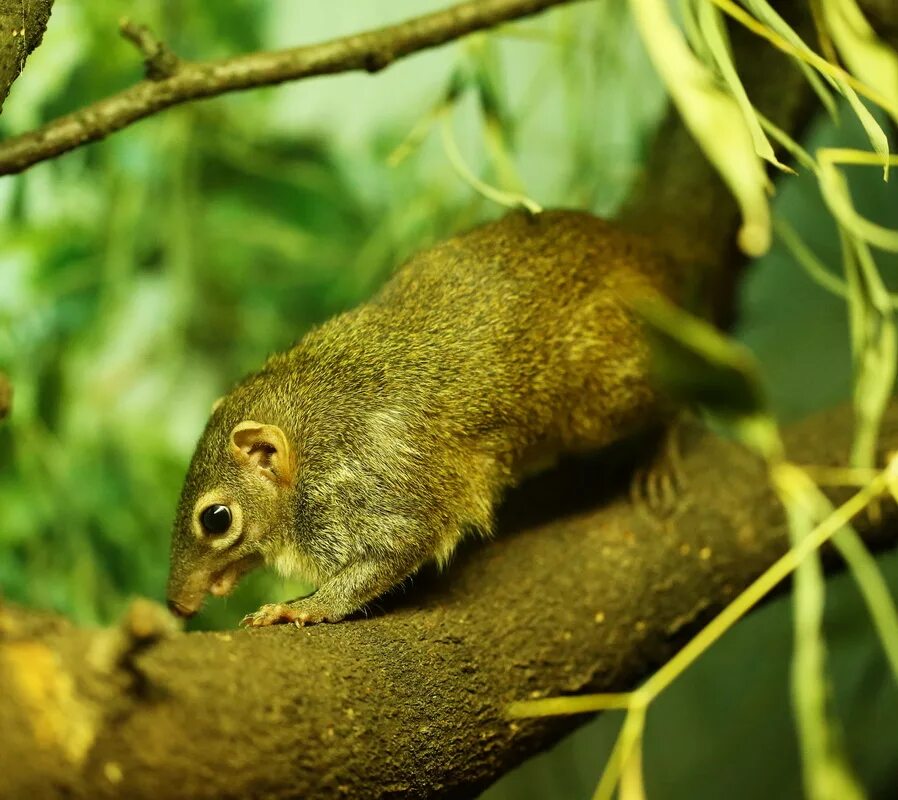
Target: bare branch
(22, 26)
(371, 51)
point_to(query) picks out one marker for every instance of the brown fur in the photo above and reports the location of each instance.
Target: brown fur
(407, 417)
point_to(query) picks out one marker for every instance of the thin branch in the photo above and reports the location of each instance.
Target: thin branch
(191, 80)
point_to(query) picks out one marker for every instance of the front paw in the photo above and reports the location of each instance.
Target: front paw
(298, 613)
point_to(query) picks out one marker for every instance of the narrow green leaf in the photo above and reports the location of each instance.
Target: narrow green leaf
(766, 14)
(808, 261)
(689, 11)
(826, 773)
(712, 116)
(874, 589)
(769, 16)
(711, 24)
(504, 198)
(875, 134)
(697, 364)
(838, 197)
(870, 59)
(877, 357)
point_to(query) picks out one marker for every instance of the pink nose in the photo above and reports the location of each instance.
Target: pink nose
(180, 610)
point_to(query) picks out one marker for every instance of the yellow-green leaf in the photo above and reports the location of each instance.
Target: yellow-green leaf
(712, 116)
(710, 21)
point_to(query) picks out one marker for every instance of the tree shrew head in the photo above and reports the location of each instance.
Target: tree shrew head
(234, 501)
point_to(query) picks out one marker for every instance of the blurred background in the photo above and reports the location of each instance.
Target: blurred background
(141, 276)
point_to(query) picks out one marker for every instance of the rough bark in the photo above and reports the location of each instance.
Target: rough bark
(22, 26)
(411, 702)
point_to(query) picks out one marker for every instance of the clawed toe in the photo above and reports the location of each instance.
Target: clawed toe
(272, 614)
(279, 613)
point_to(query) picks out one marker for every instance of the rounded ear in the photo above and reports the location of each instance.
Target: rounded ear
(216, 404)
(265, 450)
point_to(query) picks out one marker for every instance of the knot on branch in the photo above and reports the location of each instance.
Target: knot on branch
(115, 651)
(379, 59)
(159, 61)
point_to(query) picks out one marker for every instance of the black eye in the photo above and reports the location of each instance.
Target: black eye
(216, 519)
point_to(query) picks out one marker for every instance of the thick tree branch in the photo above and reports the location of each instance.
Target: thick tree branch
(22, 26)
(371, 51)
(410, 703)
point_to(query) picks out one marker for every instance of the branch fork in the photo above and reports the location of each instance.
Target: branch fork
(159, 61)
